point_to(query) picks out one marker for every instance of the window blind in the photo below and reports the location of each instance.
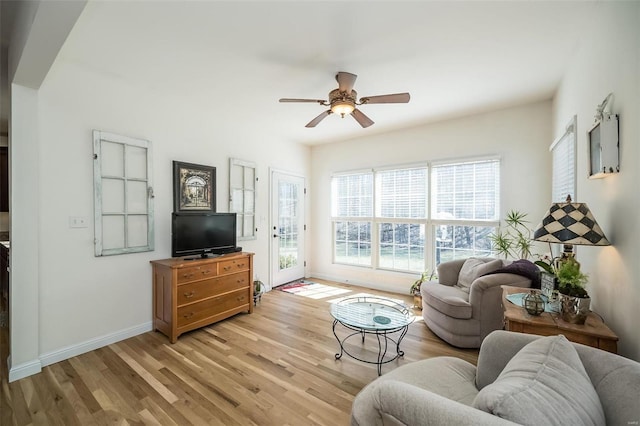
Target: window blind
(563, 153)
(466, 191)
(402, 193)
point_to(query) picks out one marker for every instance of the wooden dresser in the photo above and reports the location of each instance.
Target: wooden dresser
(189, 294)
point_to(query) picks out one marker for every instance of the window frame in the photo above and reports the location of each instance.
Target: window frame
(246, 191)
(98, 179)
(428, 222)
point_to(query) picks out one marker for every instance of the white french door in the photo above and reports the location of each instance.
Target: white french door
(287, 228)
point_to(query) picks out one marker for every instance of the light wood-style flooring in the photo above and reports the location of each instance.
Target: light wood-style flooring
(276, 366)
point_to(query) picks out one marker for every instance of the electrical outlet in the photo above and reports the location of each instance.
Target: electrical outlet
(78, 222)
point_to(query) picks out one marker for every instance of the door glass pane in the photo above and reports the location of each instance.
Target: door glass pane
(288, 206)
(249, 177)
(236, 201)
(137, 231)
(248, 225)
(112, 232)
(136, 162)
(137, 197)
(112, 159)
(112, 196)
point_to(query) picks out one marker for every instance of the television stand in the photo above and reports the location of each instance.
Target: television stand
(192, 294)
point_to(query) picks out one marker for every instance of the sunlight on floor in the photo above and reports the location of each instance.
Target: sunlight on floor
(318, 291)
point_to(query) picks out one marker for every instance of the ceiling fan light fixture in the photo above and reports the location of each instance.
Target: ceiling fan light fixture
(342, 108)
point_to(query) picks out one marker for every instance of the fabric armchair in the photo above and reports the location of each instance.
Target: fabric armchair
(514, 369)
(465, 304)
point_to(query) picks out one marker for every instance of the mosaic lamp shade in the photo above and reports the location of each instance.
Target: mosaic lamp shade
(570, 223)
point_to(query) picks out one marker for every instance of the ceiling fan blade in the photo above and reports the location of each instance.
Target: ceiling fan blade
(396, 98)
(315, 121)
(345, 81)
(319, 101)
(361, 118)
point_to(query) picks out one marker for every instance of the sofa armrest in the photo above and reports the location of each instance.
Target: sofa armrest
(493, 283)
(496, 351)
(448, 272)
(391, 402)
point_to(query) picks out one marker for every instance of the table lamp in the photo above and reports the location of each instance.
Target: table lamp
(570, 223)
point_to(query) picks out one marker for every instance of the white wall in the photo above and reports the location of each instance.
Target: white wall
(520, 136)
(608, 61)
(25, 251)
(83, 301)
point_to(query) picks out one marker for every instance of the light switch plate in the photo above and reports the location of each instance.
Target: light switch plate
(78, 222)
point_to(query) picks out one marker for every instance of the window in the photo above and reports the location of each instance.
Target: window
(123, 194)
(401, 211)
(411, 227)
(563, 152)
(242, 196)
(464, 206)
(352, 210)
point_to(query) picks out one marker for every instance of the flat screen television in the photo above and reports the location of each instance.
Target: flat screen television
(202, 234)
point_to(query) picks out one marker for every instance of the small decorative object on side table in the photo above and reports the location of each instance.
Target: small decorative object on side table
(533, 303)
(594, 332)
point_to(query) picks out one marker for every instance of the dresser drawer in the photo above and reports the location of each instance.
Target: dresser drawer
(233, 265)
(195, 291)
(194, 273)
(207, 308)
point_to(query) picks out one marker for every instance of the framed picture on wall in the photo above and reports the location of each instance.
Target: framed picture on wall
(604, 153)
(194, 187)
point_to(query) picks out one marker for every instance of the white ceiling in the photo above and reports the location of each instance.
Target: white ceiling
(237, 59)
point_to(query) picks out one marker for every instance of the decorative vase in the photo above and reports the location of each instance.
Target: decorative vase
(574, 309)
(533, 303)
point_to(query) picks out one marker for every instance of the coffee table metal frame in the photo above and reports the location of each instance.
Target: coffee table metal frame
(379, 316)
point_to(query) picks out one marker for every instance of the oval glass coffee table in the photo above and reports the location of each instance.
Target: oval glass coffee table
(378, 316)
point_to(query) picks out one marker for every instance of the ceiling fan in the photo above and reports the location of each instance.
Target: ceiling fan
(343, 100)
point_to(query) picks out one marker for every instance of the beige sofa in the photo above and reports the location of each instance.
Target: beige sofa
(465, 304)
(587, 386)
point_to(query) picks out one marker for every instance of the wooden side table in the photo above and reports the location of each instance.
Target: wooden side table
(593, 332)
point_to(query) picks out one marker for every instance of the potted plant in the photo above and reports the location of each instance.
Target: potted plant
(515, 239)
(574, 299)
(258, 289)
(417, 285)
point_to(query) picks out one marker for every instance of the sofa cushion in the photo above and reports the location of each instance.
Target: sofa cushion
(474, 268)
(449, 300)
(544, 383)
(450, 377)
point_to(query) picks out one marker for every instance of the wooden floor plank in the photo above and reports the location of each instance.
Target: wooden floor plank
(276, 366)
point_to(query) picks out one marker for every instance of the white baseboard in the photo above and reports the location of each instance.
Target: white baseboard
(33, 367)
(23, 370)
(371, 284)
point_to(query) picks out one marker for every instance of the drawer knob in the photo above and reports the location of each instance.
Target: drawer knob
(226, 268)
(240, 281)
(205, 272)
(189, 315)
(187, 275)
(190, 294)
